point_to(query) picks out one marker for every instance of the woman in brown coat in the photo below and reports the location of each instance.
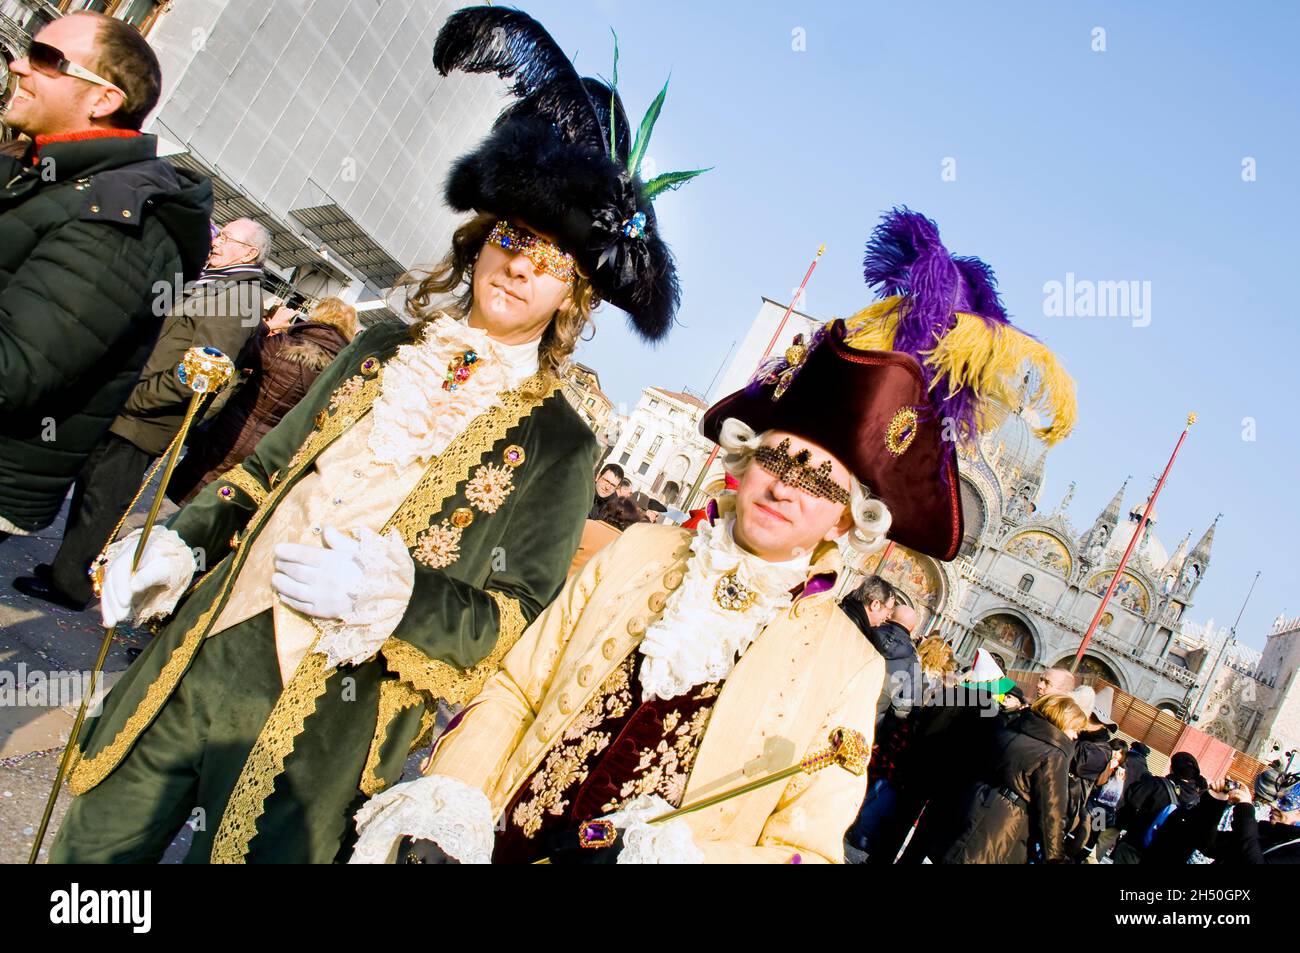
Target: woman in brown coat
(283, 361)
(1023, 796)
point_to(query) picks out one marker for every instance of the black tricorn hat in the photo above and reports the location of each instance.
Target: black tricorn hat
(871, 410)
(561, 161)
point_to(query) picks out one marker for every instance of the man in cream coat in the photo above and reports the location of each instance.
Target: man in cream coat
(678, 665)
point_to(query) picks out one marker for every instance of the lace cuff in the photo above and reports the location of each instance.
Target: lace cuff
(158, 601)
(455, 816)
(644, 843)
(387, 578)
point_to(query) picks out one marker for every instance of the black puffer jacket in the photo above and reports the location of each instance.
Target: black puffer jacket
(1031, 763)
(902, 667)
(93, 237)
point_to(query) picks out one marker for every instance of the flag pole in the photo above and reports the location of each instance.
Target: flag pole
(713, 454)
(1128, 550)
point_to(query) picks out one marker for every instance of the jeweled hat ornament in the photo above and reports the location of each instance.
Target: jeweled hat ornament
(561, 160)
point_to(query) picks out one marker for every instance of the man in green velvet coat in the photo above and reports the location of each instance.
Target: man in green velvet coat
(389, 541)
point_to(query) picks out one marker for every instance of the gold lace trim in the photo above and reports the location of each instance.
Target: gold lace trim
(91, 771)
(266, 760)
(275, 742)
(443, 680)
(241, 479)
(394, 697)
(443, 475)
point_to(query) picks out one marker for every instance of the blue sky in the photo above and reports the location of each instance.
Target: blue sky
(1122, 165)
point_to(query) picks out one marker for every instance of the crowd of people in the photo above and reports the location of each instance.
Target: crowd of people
(967, 769)
(374, 526)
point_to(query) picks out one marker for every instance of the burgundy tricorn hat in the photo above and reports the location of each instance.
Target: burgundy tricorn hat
(870, 409)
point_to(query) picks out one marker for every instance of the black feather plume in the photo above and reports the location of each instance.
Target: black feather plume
(516, 47)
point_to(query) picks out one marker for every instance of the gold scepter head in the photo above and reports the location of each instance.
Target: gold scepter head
(203, 370)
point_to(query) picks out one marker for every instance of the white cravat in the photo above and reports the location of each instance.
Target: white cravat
(415, 417)
(698, 640)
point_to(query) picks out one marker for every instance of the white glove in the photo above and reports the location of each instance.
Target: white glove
(455, 816)
(166, 567)
(320, 582)
(359, 590)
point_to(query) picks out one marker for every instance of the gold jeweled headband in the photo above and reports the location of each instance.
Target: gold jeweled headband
(546, 258)
(792, 469)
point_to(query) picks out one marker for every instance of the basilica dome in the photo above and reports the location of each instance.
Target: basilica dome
(1150, 546)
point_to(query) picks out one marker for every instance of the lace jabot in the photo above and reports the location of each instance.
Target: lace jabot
(697, 640)
(414, 417)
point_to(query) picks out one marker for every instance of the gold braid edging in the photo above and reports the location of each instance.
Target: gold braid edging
(442, 680)
(275, 742)
(88, 772)
(394, 697)
(241, 479)
(266, 760)
(446, 472)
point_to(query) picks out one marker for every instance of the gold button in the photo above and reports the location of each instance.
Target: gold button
(636, 626)
(234, 541)
(657, 600)
(320, 420)
(539, 728)
(95, 209)
(607, 649)
(126, 213)
(462, 517)
(584, 676)
(674, 579)
(566, 704)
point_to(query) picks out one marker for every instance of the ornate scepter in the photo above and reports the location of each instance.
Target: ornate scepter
(847, 748)
(202, 370)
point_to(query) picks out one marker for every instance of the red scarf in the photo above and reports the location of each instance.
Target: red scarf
(43, 141)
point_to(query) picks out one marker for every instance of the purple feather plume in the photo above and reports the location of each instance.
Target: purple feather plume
(906, 257)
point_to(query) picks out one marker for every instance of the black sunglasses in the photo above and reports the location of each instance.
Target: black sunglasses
(51, 61)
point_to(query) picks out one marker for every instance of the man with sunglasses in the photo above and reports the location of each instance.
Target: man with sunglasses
(92, 225)
(222, 310)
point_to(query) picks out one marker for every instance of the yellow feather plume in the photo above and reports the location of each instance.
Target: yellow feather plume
(988, 358)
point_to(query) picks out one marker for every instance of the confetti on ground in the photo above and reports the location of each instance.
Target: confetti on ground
(18, 759)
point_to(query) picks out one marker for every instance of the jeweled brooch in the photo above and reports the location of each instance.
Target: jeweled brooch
(733, 595)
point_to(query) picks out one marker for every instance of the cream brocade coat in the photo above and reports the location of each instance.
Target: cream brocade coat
(810, 671)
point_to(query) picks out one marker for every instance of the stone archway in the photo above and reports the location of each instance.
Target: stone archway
(1006, 634)
(1092, 664)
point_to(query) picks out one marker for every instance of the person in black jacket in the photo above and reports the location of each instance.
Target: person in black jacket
(1275, 841)
(869, 606)
(1149, 802)
(220, 310)
(1017, 811)
(95, 231)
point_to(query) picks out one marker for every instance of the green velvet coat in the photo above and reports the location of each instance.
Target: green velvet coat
(333, 742)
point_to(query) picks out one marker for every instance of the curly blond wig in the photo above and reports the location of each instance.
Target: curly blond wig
(426, 293)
